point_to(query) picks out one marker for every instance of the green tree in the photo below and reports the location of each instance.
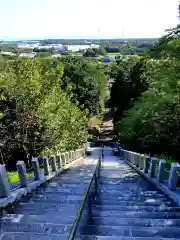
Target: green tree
(36, 115)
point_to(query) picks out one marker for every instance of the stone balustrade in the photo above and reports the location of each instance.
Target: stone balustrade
(153, 168)
(52, 166)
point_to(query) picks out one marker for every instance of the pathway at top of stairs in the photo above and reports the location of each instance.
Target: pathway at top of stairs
(49, 212)
(128, 207)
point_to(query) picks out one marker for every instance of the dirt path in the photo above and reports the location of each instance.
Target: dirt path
(107, 127)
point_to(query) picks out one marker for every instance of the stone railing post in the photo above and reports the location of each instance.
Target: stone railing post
(68, 157)
(131, 157)
(21, 168)
(173, 177)
(53, 163)
(72, 156)
(63, 159)
(46, 166)
(58, 160)
(147, 160)
(134, 158)
(77, 153)
(141, 161)
(137, 159)
(35, 166)
(162, 166)
(126, 155)
(4, 183)
(82, 152)
(152, 168)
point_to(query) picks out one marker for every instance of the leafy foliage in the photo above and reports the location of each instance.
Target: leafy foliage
(36, 115)
(150, 120)
(129, 83)
(88, 84)
(153, 123)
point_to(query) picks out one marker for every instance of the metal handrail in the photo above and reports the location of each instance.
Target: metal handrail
(79, 215)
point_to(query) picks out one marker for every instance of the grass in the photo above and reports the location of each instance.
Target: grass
(113, 54)
(13, 177)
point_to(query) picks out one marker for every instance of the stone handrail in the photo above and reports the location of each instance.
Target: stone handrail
(151, 170)
(52, 165)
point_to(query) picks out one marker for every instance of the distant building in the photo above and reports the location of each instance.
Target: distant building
(107, 59)
(29, 55)
(56, 55)
(8, 53)
(28, 45)
(76, 48)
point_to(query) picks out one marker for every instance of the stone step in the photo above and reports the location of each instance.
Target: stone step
(47, 199)
(55, 208)
(32, 236)
(103, 199)
(124, 202)
(59, 197)
(161, 208)
(47, 217)
(60, 189)
(131, 232)
(95, 237)
(66, 185)
(40, 210)
(138, 222)
(47, 228)
(128, 198)
(124, 187)
(63, 212)
(47, 204)
(132, 214)
(76, 178)
(106, 181)
(53, 197)
(129, 193)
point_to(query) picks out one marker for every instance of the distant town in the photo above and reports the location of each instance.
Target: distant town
(108, 49)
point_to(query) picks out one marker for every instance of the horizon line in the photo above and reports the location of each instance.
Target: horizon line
(36, 39)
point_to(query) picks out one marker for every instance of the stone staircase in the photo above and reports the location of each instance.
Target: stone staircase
(49, 212)
(129, 207)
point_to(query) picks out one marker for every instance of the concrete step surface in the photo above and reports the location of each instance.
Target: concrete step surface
(93, 237)
(133, 231)
(129, 207)
(37, 216)
(137, 222)
(32, 236)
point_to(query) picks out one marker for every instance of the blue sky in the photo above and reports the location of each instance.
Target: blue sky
(29, 19)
